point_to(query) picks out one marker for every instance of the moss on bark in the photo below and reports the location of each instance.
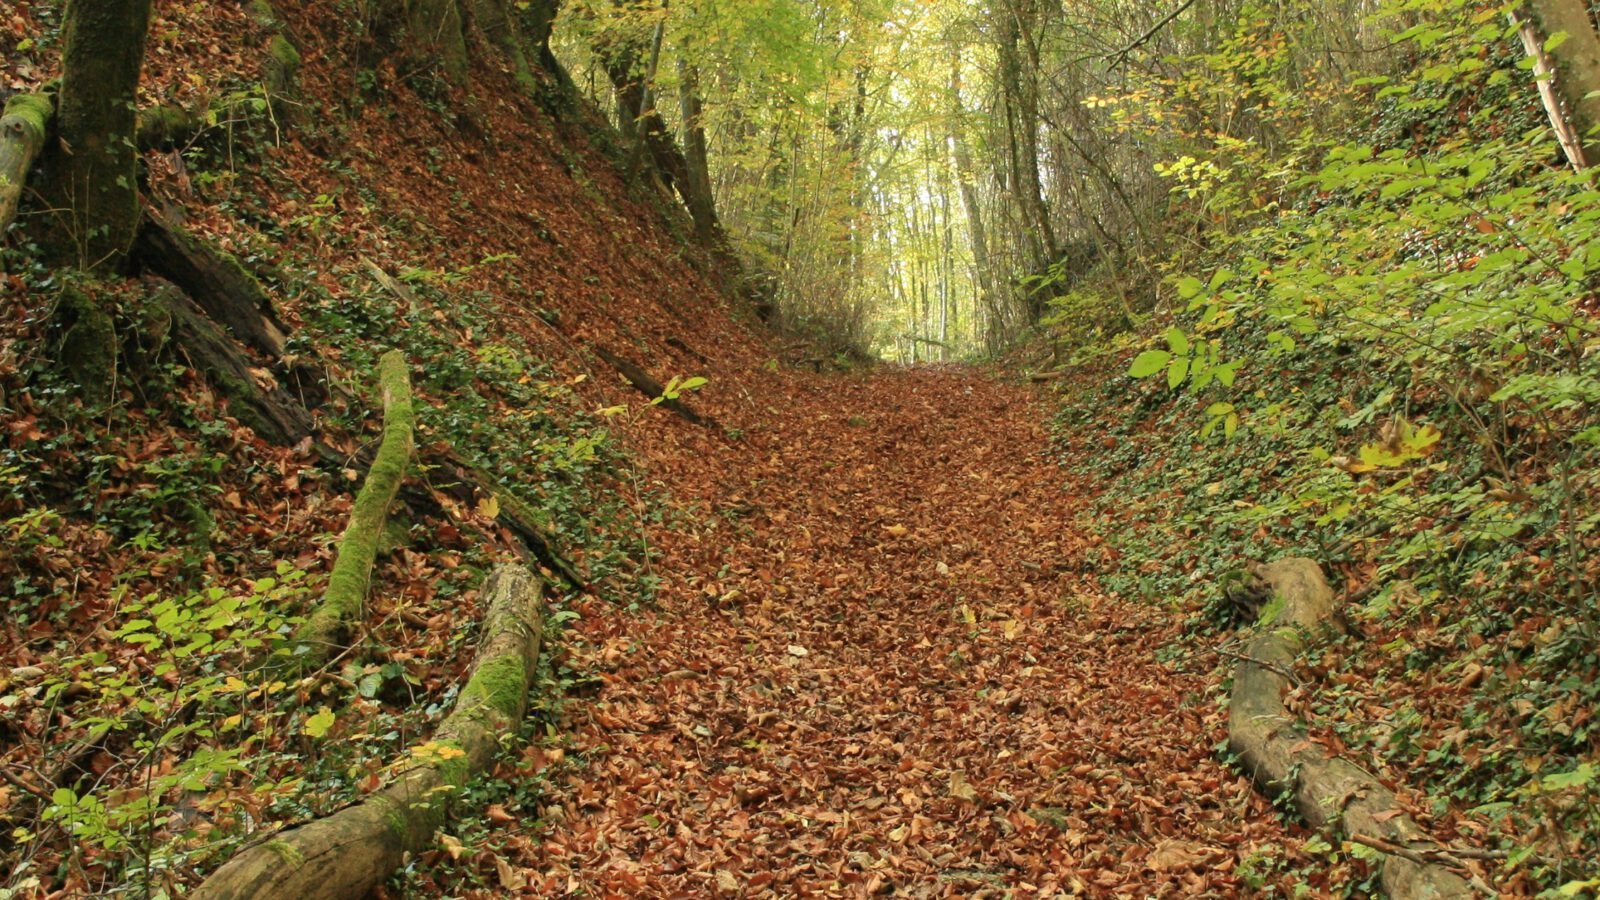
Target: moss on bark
(328, 624)
(23, 128)
(350, 852)
(87, 352)
(439, 28)
(93, 177)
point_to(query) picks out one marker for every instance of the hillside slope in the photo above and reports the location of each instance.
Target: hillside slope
(481, 225)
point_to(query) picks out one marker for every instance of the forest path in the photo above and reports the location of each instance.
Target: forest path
(877, 662)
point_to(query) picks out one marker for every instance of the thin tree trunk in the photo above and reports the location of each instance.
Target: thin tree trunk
(1577, 73)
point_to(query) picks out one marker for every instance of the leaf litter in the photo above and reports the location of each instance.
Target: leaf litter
(880, 664)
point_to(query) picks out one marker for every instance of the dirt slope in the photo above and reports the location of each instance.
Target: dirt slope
(878, 663)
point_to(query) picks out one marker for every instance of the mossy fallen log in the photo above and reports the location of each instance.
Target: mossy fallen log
(329, 623)
(23, 128)
(650, 387)
(348, 853)
(231, 296)
(1272, 746)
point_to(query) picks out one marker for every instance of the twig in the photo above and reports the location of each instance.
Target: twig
(1269, 665)
(1121, 56)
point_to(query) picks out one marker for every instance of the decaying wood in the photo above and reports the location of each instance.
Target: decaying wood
(1272, 745)
(348, 853)
(328, 625)
(231, 296)
(650, 387)
(523, 520)
(253, 398)
(23, 128)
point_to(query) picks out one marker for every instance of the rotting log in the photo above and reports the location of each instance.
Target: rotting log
(650, 387)
(350, 852)
(525, 522)
(329, 623)
(1272, 746)
(23, 128)
(216, 280)
(274, 415)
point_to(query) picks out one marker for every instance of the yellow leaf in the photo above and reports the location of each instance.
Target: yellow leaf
(896, 530)
(489, 506)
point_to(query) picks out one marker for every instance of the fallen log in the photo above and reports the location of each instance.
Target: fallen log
(348, 853)
(274, 415)
(231, 296)
(522, 519)
(648, 386)
(23, 128)
(329, 623)
(1271, 743)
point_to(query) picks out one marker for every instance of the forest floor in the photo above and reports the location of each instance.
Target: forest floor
(879, 661)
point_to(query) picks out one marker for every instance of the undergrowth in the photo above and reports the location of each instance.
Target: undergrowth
(1392, 369)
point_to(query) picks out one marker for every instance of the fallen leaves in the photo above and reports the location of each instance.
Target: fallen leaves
(971, 714)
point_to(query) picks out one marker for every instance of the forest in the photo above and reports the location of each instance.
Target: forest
(799, 448)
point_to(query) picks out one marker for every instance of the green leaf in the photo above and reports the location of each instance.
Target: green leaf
(318, 725)
(1189, 287)
(1177, 341)
(1555, 40)
(693, 383)
(1178, 371)
(1148, 363)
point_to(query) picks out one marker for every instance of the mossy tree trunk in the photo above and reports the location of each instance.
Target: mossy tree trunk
(351, 852)
(92, 177)
(439, 29)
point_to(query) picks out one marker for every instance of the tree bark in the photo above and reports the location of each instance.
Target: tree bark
(1272, 746)
(276, 417)
(329, 624)
(230, 295)
(440, 30)
(983, 276)
(696, 191)
(349, 853)
(1577, 70)
(93, 173)
(23, 129)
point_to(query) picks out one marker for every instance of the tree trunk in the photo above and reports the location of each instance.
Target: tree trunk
(1329, 792)
(650, 387)
(23, 128)
(93, 176)
(696, 189)
(276, 417)
(352, 851)
(1577, 71)
(981, 262)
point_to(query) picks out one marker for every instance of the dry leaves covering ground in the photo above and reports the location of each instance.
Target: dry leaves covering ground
(877, 665)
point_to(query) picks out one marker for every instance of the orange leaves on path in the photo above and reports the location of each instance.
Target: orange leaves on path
(877, 664)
